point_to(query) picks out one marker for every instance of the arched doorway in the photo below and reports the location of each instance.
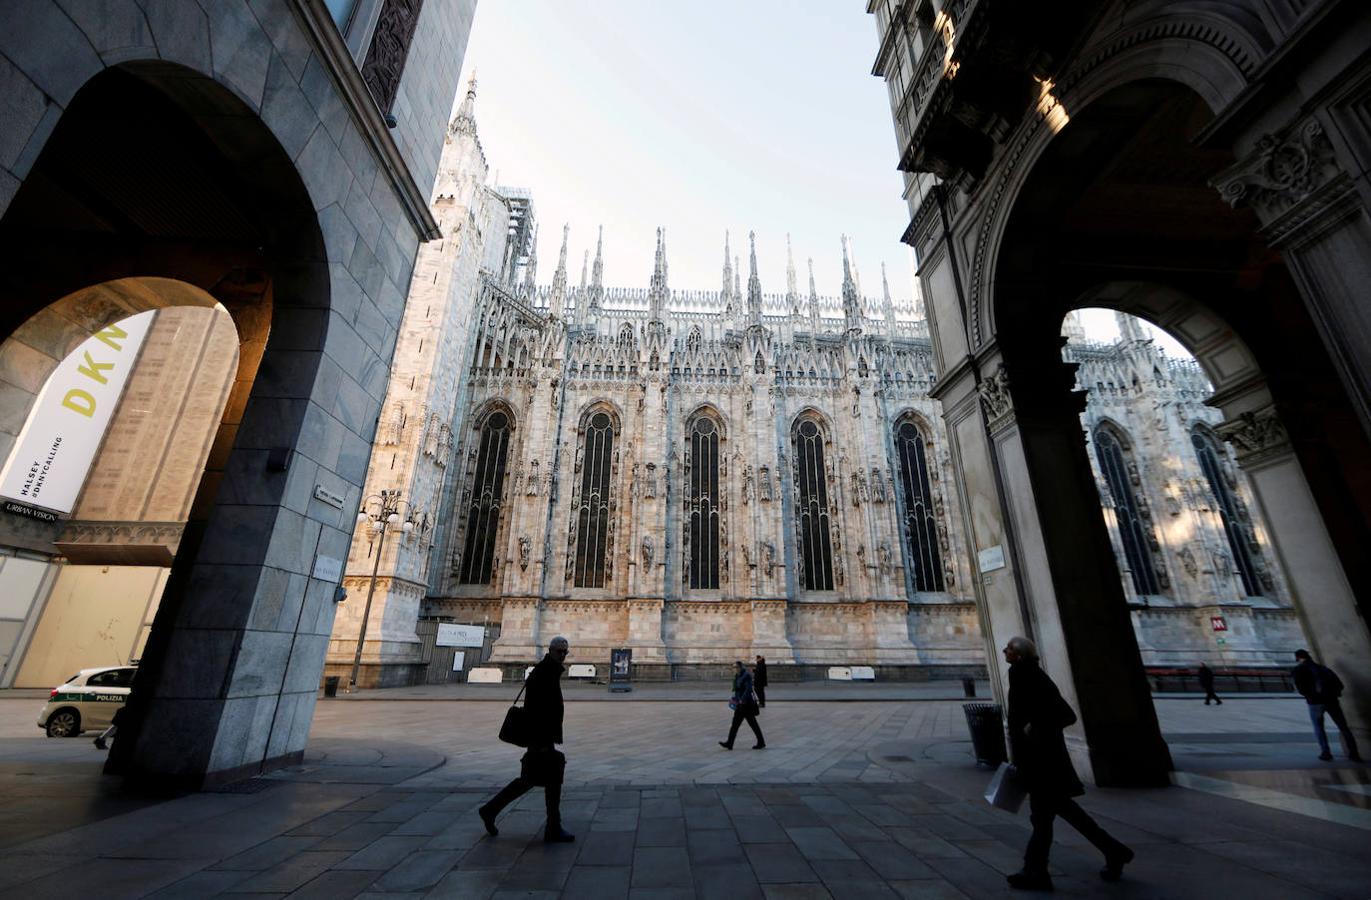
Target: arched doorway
(159, 182)
(1115, 209)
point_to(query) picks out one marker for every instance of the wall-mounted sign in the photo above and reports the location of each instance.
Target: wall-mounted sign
(450, 635)
(1218, 623)
(990, 559)
(620, 669)
(459, 659)
(324, 495)
(327, 568)
(63, 433)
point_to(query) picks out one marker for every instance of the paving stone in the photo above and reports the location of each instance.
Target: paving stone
(493, 853)
(383, 853)
(661, 833)
(598, 882)
(702, 817)
(936, 889)
(779, 863)
(796, 892)
(201, 884)
(292, 874)
(820, 843)
(606, 848)
(891, 861)
(655, 867)
(660, 807)
(269, 853)
(725, 881)
(715, 846)
(418, 871)
(355, 837)
(334, 885)
(759, 830)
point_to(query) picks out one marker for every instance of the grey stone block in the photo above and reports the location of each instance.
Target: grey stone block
(292, 543)
(115, 28)
(285, 110)
(261, 659)
(323, 170)
(181, 31)
(240, 50)
(271, 422)
(285, 33)
(22, 106)
(32, 29)
(339, 231)
(198, 663)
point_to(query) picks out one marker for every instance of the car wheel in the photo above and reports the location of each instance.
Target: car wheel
(64, 723)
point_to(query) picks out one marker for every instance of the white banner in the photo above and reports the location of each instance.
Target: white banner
(460, 635)
(58, 444)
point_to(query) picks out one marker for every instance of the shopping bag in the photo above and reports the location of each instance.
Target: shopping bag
(1004, 791)
(514, 729)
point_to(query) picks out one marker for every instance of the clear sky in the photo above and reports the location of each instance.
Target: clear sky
(700, 117)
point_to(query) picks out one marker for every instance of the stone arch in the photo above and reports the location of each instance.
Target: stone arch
(919, 421)
(708, 410)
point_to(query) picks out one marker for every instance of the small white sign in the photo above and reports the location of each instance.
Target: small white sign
(488, 675)
(450, 635)
(58, 443)
(863, 673)
(324, 495)
(990, 559)
(582, 671)
(459, 659)
(839, 673)
(327, 568)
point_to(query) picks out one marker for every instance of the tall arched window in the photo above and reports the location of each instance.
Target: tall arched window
(1231, 511)
(811, 508)
(1133, 532)
(702, 505)
(483, 505)
(593, 509)
(920, 520)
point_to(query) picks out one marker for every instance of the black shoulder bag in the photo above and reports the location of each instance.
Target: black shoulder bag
(515, 728)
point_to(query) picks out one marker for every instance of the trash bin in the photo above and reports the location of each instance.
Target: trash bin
(987, 733)
(331, 686)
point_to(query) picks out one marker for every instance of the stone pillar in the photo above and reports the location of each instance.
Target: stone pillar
(1070, 579)
(518, 641)
(1326, 604)
(645, 631)
(769, 632)
(890, 632)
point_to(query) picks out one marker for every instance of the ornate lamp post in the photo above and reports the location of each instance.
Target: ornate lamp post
(379, 523)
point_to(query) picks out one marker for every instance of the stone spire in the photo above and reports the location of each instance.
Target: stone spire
(852, 309)
(585, 267)
(557, 299)
(531, 270)
(727, 292)
(814, 324)
(887, 305)
(754, 284)
(465, 120)
(1073, 329)
(737, 279)
(657, 292)
(581, 293)
(792, 293)
(597, 273)
(1130, 328)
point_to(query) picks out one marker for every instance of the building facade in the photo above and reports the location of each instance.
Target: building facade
(1206, 170)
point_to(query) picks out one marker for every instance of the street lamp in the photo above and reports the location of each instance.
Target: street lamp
(380, 523)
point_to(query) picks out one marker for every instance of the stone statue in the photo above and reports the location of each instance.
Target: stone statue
(647, 551)
(769, 550)
(747, 485)
(524, 546)
(877, 485)
(883, 558)
(747, 555)
(764, 481)
(532, 486)
(650, 481)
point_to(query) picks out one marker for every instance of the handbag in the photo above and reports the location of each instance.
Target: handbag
(1004, 791)
(514, 730)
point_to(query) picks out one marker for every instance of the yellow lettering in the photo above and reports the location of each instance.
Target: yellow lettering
(92, 368)
(79, 401)
(111, 334)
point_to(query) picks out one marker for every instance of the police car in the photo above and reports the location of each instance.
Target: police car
(86, 701)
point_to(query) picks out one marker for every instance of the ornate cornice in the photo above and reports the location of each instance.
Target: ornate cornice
(1257, 436)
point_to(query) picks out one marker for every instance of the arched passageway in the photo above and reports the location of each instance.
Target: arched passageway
(161, 186)
(1116, 210)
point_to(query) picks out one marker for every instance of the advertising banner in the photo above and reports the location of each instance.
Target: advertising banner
(460, 635)
(63, 433)
(620, 669)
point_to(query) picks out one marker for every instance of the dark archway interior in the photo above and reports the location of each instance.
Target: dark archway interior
(156, 170)
(1122, 194)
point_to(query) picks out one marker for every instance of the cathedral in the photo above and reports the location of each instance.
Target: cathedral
(703, 476)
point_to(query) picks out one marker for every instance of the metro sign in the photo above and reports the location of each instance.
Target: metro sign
(1218, 623)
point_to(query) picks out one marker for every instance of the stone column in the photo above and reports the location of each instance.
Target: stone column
(1323, 598)
(518, 641)
(1070, 580)
(769, 632)
(645, 631)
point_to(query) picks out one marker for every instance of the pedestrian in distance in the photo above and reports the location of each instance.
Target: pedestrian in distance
(759, 680)
(543, 764)
(1206, 676)
(745, 708)
(1037, 717)
(1321, 687)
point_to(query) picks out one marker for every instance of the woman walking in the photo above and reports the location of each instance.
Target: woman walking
(745, 707)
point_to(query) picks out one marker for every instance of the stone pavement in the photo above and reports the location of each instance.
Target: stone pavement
(876, 799)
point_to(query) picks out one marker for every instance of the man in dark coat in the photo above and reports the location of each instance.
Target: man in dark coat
(1037, 717)
(759, 680)
(1321, 687)
(1206, 676)
(543, 763)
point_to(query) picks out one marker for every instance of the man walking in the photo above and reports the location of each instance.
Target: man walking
(759, 680)
(543, 763)
(1037, 717)
(1321, 688)
(1206, 676)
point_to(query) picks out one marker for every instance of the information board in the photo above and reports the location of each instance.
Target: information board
(620, 669)
(450, 635)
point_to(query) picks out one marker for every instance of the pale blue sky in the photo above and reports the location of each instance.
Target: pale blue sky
(697, 116)
(700, 117)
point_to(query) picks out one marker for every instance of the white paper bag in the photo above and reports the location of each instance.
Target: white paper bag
(1004, 791)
